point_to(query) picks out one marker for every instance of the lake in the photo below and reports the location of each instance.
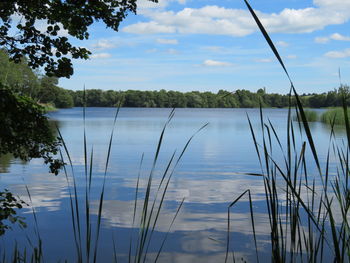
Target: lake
(210, 175)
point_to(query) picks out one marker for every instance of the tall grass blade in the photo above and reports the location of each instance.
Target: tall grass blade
(167, 184)
(115, 259)
(135, 205)
(300, 107)
(99, 216)
(37, 250)
(267, 38)
(228, 224)
(145, 219)
(166, 235)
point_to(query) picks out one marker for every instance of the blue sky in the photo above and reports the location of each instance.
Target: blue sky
(208, 45)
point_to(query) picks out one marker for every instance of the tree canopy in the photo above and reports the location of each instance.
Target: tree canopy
(21, 79)
(33, 29)
(25, 131)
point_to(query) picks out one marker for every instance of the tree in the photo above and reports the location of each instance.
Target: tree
(8, 204)
(50, 93)
(18, 76)
(25, 131)
(48, 48)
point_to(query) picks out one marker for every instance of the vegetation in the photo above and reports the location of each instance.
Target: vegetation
(24, 129)
(308, 212)
(21, 79)
(196, 99)
(30, 136)
(43, 89)
(48, 107)
(307, 203)
(311, 116)
(8, 204)
(86, 229)
(334, 116)
(50, 48)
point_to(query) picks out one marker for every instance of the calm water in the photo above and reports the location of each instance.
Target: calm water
(209, 177)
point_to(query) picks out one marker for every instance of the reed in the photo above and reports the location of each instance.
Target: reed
(334, 116)
(86, 229)
(308, 208)
(310, 115)
(151, 203)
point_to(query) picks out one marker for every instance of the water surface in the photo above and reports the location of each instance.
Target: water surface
(209, 176)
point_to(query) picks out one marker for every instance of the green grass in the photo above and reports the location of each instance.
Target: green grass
(334, 116)
(310, 115)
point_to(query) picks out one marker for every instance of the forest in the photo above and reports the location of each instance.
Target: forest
(45, 90)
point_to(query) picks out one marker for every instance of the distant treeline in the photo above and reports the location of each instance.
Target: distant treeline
(196, 99)
(22, 79)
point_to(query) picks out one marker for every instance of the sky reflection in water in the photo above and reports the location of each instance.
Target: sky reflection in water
(209, 177)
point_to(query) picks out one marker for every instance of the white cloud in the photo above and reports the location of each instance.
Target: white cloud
(338, 54)
(321, 40)
(282, 44)
(291, 56)
(335, 36)
(339, 37)
(148, 28)
(215, 63)
(238, 22)
(103, 44)
(264, 60)
(100, 55)
(206, 20)
(146, 4)
(167, 41)
(332, 3)
(142, 4)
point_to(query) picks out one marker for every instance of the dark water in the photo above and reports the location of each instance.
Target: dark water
(209, 177)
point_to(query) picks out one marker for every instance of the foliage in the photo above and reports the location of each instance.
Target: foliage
(334, 116)
(19, 76)
(49, 92)
(7, 212)
(332, 98)
(196, 99)
(49, 47)
(25, 131)
(173, 99)
(22, 79)
(311, 116)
